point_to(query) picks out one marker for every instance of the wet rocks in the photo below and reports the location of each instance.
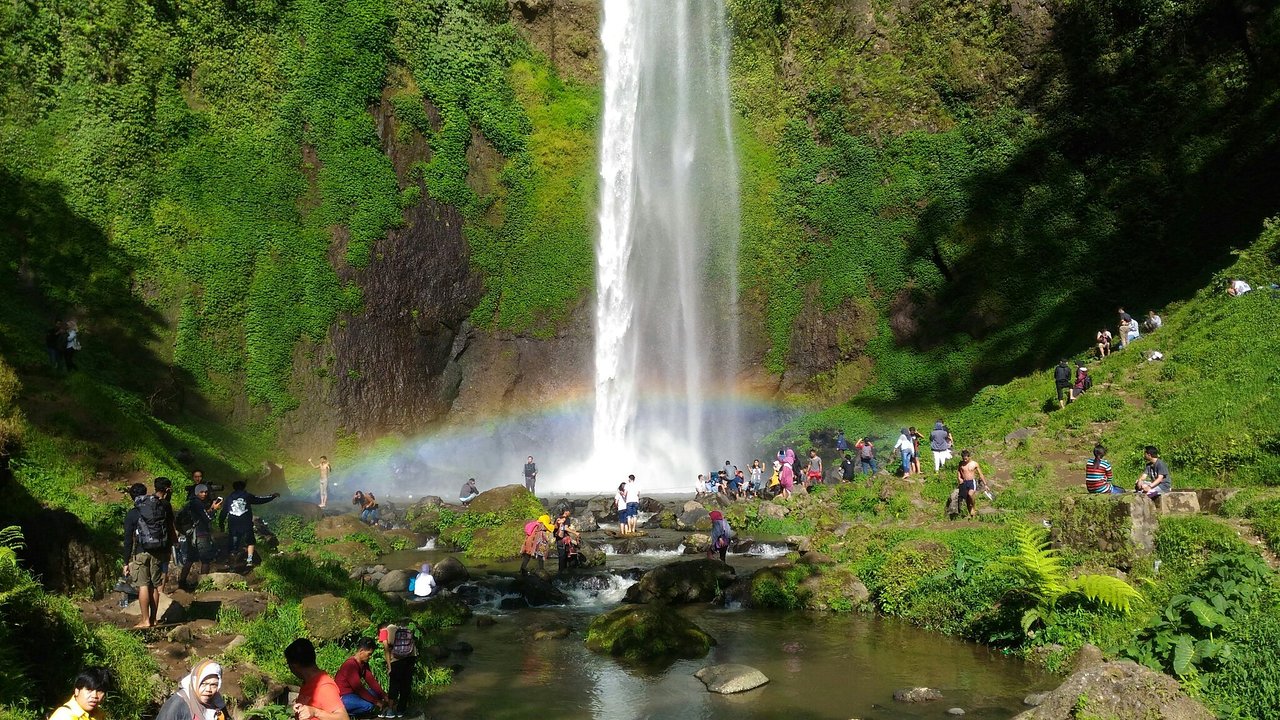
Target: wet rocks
(449, 572)
(550, 631)
(591, 555)
(538, 592)
(696, 543)
(247, 603)
(772, 510)
(1118, 689)
(690, 581)
(696, 519)
(395, 581)
(917, 695)
(337, 527)
(647, 632)
(731, 678)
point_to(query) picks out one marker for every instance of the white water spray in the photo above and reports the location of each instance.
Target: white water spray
(666, 254)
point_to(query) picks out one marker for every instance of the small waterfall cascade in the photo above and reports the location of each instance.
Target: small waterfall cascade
(666, 252)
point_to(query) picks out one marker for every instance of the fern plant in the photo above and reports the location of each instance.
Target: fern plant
(1040, 573)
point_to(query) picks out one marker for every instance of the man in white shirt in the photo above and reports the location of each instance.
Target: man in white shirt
(633, 503)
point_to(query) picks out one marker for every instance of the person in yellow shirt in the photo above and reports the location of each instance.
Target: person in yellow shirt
(89, 691)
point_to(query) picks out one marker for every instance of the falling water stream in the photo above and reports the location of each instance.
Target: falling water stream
(666, 255)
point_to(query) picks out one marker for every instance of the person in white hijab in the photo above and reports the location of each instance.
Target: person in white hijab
(199, 696)
(425, 584)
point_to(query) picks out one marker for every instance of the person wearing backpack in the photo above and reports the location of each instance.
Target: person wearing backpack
(400, 648)
(148, 534)
(1062, 381)
(866, 456)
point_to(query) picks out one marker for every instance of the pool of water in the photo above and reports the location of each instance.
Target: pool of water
(819, 666)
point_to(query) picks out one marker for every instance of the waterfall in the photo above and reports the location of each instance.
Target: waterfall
(666, 254)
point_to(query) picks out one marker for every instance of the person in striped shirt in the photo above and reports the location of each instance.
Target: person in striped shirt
(1097, 473)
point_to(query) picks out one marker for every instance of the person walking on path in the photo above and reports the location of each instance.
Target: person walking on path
(530, 475)
(237, 519)
(866, 456)
(199, 696)
(319, 697)
(842, 443)
(904, 447)
(200, 538)
(73, 345)
(1097, 474)
(967, 479)
(324, 467)
(1062, 381)
(148, 535)
(1154, 480)
(721, 535)
(88, 692)
(360, 691)
(940, 444)
(788, 479)
(55, 342)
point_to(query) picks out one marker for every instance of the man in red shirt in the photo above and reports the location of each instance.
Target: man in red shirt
(360, 690)
(319, 697)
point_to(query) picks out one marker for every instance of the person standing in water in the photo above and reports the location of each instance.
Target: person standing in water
(721, 535)
(324, 467)
(530, 475)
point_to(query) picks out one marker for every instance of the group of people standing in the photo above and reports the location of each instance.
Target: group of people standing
(544, 536)
(62, 342)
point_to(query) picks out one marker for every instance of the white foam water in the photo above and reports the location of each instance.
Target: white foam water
(600, 590)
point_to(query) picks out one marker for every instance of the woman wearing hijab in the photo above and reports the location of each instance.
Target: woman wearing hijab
(199, 696)
(424, 585)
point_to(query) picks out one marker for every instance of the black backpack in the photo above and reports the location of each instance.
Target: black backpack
(153, 531)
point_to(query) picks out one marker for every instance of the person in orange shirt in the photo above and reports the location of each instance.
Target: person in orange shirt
(318, 697)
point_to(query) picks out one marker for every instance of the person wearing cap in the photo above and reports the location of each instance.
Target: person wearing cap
(199, 696)
(201, 545)
(319, 696)
(721, 534)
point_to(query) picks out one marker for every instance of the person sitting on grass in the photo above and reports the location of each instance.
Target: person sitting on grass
(361, 693)
(1154, 480)
(88, 692)
(1103, 340)
(1097, 474)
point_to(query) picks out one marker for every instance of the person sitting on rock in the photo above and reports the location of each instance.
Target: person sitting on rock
(1103, 343)
(87, 694)
(1097, 474)
(424, 584)
(1154, 480)
(200, 696)
(360, 691)
(468, 492)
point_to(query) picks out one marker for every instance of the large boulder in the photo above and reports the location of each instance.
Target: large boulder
(395, 581)
(731, 678)
(586, 522)
(223, 581)
(1118, 690)
(1116, 528)
(690, 581)
(651, 505)
(835, 589)
(538, 592)
(696, 543)
(647, 632)
(772, 510)
(696, 519)
(1178, 502)
(248, 604)
(917, 695)
(591, 555)
(328, 617)
(337, 527)
(449, 571)
(602, 509)
(506, 498)
(663, 519)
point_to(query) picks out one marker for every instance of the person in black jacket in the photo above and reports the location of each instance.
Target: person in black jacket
(237, 519)
(1062, 381)
(200, 544)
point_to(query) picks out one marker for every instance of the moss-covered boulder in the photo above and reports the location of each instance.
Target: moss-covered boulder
(781, 586)
(494, 543)
(328, 617)
(835, 589)
(690, 581)
(1119, 528)
(647, 632)
(347, 553)
(1118, 690)
(507, 500)
(423, 518)
(491, 528)
(441, 611)
(337, 527)
(288, 507)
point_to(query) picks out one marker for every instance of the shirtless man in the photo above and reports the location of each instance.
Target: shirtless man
(323, 467)
(967, 479)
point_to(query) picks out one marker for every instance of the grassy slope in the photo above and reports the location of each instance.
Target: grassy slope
(1209, 405)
